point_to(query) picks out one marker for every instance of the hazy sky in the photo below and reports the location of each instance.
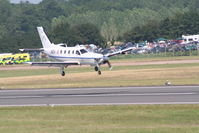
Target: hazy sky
(31, 1)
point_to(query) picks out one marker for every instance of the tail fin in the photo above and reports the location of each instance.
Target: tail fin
(44, 39)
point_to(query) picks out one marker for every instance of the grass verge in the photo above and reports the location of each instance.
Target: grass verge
(145, 75)
(151, 57)
(101, 119)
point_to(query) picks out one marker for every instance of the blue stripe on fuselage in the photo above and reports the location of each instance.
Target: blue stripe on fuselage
(72, 57)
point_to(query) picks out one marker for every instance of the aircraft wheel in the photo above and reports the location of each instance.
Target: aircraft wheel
(99, 72)
(96, 68)
(63, 73)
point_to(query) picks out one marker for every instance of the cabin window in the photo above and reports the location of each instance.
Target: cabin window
(190, 39)
(73, 52)
(64, 51)
(68, 51)
(83, 51)
(52, 51)
(77, 52)
(60, 51)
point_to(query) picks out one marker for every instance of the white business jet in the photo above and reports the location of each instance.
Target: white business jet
(67, 56)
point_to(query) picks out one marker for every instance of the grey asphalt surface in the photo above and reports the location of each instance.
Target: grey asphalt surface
(101, 96)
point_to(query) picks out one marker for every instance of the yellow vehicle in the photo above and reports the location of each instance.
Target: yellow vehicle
(7, 60)
(21, 58)
(14, 59)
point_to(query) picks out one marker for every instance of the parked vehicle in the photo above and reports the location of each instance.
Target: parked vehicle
(7, 60)
(14, 59)
(21, 58)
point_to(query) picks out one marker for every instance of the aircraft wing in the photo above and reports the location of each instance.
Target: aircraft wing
(55, 64)
(119, 52)
(31, 49)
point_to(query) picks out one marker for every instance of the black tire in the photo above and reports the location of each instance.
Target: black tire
(99, 72)
(96, 68)
(63, 73)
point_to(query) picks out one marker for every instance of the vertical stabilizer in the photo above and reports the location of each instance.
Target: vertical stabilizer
(44, 39)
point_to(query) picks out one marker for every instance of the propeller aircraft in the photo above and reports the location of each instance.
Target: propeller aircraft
(67, 56)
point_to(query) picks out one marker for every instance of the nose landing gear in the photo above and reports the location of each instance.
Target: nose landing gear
(98, 70)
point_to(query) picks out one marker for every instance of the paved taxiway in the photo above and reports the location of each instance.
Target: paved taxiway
(101, 96)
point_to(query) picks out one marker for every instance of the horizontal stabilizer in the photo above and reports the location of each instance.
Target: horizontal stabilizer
(55, 64)
(31, 49)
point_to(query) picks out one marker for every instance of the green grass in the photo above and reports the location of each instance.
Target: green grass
(51, 71)
(144, 75)
(43, 71)
(101, 119)
(134, 75)
(18, 73)
(158, 56)
(151, 57)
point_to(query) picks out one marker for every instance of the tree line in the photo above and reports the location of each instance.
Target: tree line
(169, 28)
(94, 21)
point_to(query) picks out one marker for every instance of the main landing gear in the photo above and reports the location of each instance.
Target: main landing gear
(62, 71)
(98, 70)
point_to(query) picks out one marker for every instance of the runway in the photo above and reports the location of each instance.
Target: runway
(101, 96)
